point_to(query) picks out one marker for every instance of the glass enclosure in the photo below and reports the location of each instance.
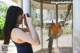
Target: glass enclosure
(57, 12)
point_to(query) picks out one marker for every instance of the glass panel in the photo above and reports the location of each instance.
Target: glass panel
(65, 40)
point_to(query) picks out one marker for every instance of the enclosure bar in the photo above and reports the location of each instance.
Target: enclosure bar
(57, 22)
(41, 13)
(67, 2)
(56, 13)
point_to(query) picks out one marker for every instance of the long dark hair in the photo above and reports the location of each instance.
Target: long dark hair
(10, 22)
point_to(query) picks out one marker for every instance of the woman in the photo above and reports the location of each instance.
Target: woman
(22, 40)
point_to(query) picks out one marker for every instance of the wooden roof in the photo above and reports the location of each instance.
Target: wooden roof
(51, 6)
(48, 5)
(49, 1)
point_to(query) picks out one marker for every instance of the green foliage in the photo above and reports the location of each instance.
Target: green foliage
(1, 22)
(1, 34)
(67, 29)
(3, 10)
(35, 21)
(62, 16)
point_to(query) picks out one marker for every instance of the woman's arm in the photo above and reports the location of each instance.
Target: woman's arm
(31, 38)
(33, 32)
(28, 23)
(25, 22)
(23, 36)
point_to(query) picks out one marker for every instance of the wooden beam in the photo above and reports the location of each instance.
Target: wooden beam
(36, 5)
(16, 1)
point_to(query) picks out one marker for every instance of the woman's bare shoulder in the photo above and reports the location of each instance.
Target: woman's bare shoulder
(16, 30)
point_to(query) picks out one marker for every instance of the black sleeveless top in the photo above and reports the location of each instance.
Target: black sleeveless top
(23, 47)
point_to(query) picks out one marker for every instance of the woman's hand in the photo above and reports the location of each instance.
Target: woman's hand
(25, 21)
(28, 19)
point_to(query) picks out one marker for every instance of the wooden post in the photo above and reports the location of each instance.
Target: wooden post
(41, 14)
(56, 21)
